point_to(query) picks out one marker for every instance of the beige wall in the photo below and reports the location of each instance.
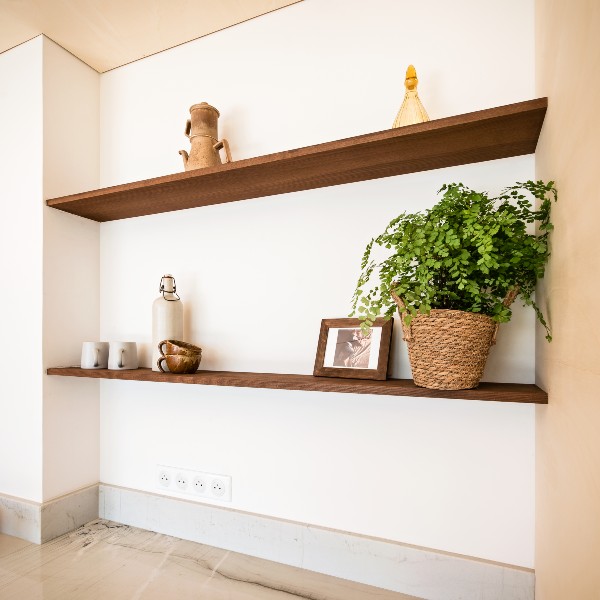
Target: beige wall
(568, 429)
(71, 272)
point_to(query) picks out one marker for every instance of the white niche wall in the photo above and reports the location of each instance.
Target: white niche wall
(256, 277)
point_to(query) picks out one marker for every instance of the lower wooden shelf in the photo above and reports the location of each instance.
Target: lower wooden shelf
(497, 392)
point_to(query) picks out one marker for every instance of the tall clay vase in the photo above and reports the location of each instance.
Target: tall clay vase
(202, 130)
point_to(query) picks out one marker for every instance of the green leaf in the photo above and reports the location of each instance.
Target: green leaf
(463, 253)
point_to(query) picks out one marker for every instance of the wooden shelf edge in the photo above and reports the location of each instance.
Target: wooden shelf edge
(495, 392)
(488, 134)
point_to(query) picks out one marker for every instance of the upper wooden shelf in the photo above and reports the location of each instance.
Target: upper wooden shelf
(490, 134)
(498, 392)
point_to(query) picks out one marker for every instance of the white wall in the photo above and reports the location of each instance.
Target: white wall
(71, 271)
(257, 276)
(49, 119)
(21, 263)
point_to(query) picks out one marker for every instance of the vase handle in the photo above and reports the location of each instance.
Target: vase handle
(225, 145)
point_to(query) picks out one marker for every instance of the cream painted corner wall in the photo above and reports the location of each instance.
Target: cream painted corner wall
(568, 444)
(21, 230)
(257, 277)
(49, 146)
(71, 272)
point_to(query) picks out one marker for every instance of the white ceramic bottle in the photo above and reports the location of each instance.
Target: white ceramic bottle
(167, 316)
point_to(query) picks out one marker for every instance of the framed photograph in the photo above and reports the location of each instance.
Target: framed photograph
(345, 351)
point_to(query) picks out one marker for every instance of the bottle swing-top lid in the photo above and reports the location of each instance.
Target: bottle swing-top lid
(168, 286)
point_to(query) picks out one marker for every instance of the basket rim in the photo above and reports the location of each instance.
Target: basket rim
(444, 317)
(466, 313)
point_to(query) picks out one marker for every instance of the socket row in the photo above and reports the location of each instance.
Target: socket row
(194, 483)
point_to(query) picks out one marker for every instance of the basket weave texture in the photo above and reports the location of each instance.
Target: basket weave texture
(448, 349)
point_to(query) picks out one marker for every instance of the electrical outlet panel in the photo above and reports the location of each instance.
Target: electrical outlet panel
(198, 484)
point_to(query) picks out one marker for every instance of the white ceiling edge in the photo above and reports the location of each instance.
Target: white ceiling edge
(112, 33)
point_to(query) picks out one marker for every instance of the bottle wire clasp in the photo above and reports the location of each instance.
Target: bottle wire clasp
(161, 289)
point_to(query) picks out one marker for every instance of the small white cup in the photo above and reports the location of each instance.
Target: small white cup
(123, 355)
(94, 355)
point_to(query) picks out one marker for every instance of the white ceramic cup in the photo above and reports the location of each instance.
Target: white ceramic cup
(123, 355)
(94, 355)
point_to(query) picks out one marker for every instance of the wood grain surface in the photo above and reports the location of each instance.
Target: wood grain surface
(497, 392)
(490, 134)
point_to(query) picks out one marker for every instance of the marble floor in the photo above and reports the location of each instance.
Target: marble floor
(109, 560)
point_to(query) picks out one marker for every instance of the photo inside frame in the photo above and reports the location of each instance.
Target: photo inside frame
(350, 348)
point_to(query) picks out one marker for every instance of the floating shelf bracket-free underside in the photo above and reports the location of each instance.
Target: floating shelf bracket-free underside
(490, 134)
(498, 392)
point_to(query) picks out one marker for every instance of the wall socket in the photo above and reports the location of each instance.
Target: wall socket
(199, 484)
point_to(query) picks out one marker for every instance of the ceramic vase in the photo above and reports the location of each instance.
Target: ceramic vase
(167, 316)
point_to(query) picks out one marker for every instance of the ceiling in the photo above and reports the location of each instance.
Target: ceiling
(107, 34)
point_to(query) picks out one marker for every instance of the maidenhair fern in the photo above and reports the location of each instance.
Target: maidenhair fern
(467, 253)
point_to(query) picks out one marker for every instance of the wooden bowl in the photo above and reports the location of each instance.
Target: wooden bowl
(179, 363)
(179, 347)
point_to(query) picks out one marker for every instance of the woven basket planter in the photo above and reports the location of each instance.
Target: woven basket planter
(448, 349)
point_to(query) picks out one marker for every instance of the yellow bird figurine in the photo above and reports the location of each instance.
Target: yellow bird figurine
(411, 111)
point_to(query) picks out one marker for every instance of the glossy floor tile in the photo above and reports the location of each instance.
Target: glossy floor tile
(108, 560)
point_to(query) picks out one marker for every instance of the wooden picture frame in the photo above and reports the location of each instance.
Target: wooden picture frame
(344, 351)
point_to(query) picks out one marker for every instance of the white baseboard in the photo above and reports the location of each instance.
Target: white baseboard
(39, 523)
(419, 572)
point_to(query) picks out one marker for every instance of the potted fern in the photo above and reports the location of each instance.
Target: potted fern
(452, 272)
